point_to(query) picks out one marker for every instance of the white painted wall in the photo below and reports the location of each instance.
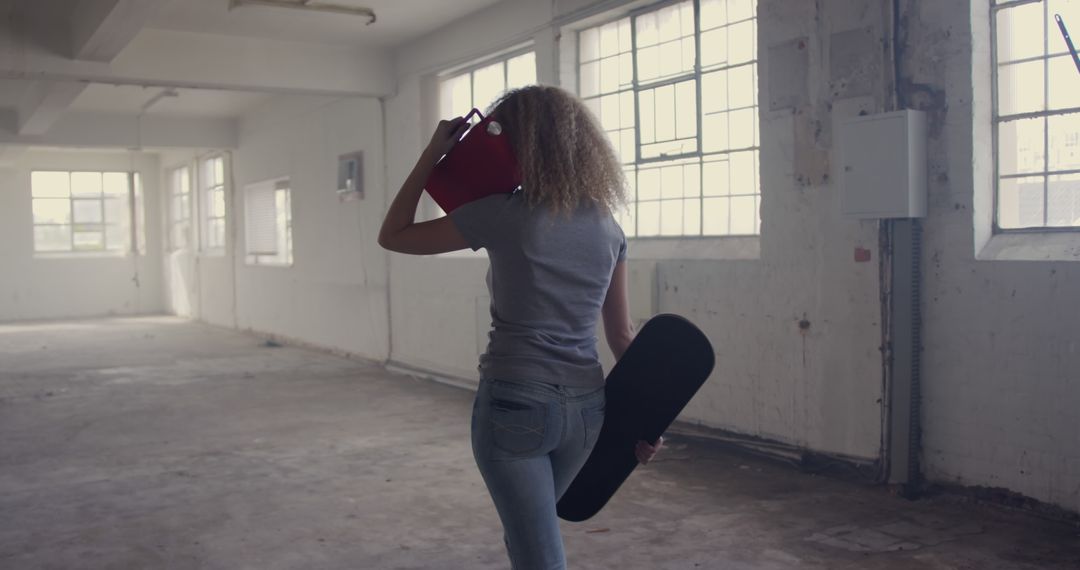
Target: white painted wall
(74, 286)
(334, 295)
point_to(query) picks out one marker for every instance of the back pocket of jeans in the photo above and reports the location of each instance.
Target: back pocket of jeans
(593, 419)
(517, 427)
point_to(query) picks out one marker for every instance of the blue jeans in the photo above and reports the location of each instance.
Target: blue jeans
(530, 439)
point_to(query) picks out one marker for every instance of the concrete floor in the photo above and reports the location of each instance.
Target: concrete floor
(158, 443)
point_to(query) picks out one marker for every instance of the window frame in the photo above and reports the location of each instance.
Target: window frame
(127, 248)
(204, 200)
(698, 156)
(996, 120)
(472, 67)
(265, 260)
(175, 220)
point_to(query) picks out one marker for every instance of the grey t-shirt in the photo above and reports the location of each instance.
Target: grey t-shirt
(548, 279)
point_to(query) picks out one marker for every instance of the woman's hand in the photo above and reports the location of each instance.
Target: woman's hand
(646, 452)
(446, 135)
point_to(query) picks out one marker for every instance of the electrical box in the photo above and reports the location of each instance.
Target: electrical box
(883, 165)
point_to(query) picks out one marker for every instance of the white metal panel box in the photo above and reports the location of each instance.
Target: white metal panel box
(883, 165)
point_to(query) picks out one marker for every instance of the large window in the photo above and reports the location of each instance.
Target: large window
(479, 86)
(268, 223)
(180, 208)
(213, 204)
(1036, 115)
(675, 88)
(85, 211)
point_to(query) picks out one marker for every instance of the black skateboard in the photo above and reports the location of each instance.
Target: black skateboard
(663, 368)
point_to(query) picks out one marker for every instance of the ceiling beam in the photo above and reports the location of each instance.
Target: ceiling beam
(43, 103)
(101, 29)
(169, 58)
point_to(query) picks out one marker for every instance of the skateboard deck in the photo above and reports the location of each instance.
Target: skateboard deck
(662, 369)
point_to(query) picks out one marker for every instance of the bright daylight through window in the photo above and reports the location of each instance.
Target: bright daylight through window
(676, 90)
(82, 212)
(1036, 115)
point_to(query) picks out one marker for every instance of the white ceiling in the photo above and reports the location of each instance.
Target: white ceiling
(128, 99)
(399, 21)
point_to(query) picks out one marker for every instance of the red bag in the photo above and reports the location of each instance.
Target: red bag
(480, 164)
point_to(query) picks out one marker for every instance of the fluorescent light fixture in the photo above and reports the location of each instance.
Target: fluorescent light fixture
(311, 6)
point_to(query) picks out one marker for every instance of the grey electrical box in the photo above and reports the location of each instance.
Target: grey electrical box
(883, 165)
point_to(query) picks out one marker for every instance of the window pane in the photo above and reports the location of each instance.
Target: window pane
(610, 113)
(742, 128)
(716, 179)
(744, 175)
(671, 217)
(743, 215)
(648, 63)
(52, 211)
(115, 183)
(1020, 32)
(692, 216)
(50, 184)
(52, 238)
(713, 13)
(1020, 87)
(1020, 202)
(609, 39)
(590, 79)
(686, 110)
(1064, 82)
(117, 237)
(647, 33)
(1020, 146)
(742, 43)
(219, 170)
(716, 216)
(521, 71)
(116, 211)
(216, 206)
(1064, 142)
(87, 211)
(741, 9)
(648, 183)
(742, 88)
(671, 182)
(1063, 200)
(589, 45)
(648, 218)
(89, 240)
(455, 96)
(669, 23)
(609, 75)
(488, 83)
(86, 184)
(714, 47)
(665, 113)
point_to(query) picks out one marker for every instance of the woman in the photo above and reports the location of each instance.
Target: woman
(557, 264)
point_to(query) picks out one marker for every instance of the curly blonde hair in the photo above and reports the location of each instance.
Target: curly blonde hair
(564, 155)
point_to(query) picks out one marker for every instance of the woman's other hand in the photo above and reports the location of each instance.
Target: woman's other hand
(646, 452)
(446, 135)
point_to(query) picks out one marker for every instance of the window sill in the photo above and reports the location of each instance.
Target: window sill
(81, 255)
(1032, 246)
